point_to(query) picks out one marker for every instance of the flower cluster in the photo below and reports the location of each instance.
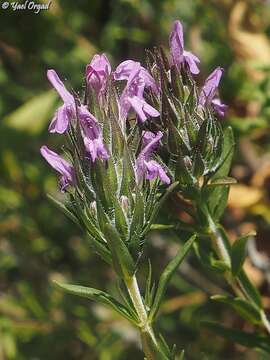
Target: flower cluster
(98, 77)
(137, 131)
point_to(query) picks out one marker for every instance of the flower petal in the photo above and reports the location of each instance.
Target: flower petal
(60, 121)
(59, 164)
(154, 169)
(192, 62)
(176, 41)
(124, 69)
(210, 86)
(219, 107)
(97, 72)
(60, 87)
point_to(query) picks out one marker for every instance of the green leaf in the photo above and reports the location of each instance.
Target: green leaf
(151, 349)
(164, 346)
(34, 115)
(238, 253)
(182, 172)
(217, 196)
(219, 265)
(244, 308)
(249, 289)
(252, 340)
(226, 180)
(182, 355)
(100, 248)
(98, 296)
(159, 204)
(102, 216)
(167, 274)
(218, 200)
(149, 288)
(82, 183)
(121, 221)
(122, 260)
(198, 165)
(162, 226)
(61, 206)
(128, 175)
(137, 222)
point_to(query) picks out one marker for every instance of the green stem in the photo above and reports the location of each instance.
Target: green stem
(149, 341)
(222, 251)
(221, 247)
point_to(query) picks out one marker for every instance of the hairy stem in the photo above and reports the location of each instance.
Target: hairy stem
(149, 341)
(221, 248)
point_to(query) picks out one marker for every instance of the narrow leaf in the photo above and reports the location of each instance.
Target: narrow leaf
(61, 206)
(252, 340)
(238, 253)
(167, 274)
(217, 196)
(244, 308)
(249, 289)
(98, 296)
(122, 260)
(226, 180)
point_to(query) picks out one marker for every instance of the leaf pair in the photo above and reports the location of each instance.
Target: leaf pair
(100, 297)
(167, 275)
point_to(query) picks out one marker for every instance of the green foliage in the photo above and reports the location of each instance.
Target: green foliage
(244, 308)
(238, 253)
(216, 196)
(122, 260)
(244, 338)
(98, 296)
(167, 274)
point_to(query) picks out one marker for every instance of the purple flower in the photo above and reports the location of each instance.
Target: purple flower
(178, 54)
(97, 72)
(153, 170)
(63, 115)
(219, 107)
(142, 109)
(132, 96)
(92, 135)
(124, 69)
(90, 129)
(210, 86)
(209, 91)
(144, 165)
(64, 168)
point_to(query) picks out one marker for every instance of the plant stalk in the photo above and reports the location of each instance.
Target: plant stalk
(222, 251)
(148, 338)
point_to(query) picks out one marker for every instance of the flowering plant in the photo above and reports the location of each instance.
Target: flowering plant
(140, 138)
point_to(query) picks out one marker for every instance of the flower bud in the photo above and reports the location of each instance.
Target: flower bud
(124, 203)
(93, 209)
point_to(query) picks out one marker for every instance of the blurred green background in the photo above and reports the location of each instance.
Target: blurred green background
(38, 244)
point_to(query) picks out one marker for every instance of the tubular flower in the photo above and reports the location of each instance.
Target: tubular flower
(144, 165)
(97, 73)
(63, 167)
(92, 136)
(63, 115)
(132, 96)
(219, 107)
(178, 54)
(209, 91)
(124, 69)
(91, 131)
